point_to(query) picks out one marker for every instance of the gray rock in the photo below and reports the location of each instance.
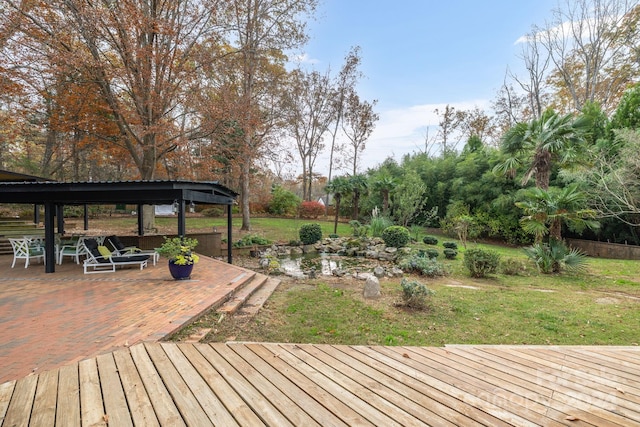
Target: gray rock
(378, 271)
(372, 288)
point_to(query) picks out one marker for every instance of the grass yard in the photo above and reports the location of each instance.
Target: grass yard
(600, 306)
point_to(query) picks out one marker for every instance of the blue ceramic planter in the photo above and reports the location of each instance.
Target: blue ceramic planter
(180, 272)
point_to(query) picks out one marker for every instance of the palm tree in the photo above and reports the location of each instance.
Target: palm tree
(552, 138)
(338, 187)
(546, 211)
(384, 184)
(359, 184)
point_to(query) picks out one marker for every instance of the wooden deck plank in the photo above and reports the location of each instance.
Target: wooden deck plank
(336, 406)
(252, 384)
(163, 405)
(568, 397)
(285, 406)
(354, 395)
(320, 414)
(614, 362)
(262, 407)
(6, 390)
(227, 395)
(187, 404)
(207, 399)
(403, 410)
(115, 403)
(138, 400)
(506, 394)
(462, 391)
(19, 410)
(432, 398)
(68, 408)
(91, 404)
(43, 412)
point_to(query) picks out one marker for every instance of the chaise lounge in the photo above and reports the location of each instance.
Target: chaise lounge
(101, 260)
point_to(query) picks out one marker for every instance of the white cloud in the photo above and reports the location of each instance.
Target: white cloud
(403, 131)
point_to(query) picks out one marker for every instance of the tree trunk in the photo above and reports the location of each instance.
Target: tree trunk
(245, 177)
(335, 221)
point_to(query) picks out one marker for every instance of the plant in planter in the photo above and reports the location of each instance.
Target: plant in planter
(179, 250)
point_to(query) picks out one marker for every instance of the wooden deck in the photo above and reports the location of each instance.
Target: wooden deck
(251, 384)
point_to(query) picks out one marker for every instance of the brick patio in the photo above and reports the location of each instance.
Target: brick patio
(49, 320)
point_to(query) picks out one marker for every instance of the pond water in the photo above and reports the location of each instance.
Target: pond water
(323, 264)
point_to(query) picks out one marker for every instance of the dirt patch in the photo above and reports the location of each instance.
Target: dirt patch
(607, 300)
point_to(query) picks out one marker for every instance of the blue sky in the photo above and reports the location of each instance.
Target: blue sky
(419, 55)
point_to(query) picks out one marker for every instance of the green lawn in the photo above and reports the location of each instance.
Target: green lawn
(600, 306)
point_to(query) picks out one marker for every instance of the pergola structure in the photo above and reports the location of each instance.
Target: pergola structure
(55, 195)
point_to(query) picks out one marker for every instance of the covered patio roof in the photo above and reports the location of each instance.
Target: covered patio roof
(54, 195)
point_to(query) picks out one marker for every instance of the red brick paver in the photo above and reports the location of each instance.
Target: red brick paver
(51, 319)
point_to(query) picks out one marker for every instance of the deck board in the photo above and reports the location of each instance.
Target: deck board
(253, 384)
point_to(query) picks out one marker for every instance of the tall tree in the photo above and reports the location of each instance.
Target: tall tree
(541, 143)
(359, 186)
(592, 46)
(359, 122)
(344, 83)
(310, 112)
(259, 29)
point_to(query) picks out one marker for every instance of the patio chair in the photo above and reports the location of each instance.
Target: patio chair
(74, 249)
(22, 249)
(101, 260)
(117, 245)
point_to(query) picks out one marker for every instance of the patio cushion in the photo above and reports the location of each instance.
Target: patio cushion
(92, 246)
(131, 258)
(104, 251)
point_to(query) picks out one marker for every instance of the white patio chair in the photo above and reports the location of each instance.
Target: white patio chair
(23, 250)
(74, 249)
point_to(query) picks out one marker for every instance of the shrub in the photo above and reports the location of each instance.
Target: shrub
(213, 211)
(359, 230)
(310, 233)
(450, 245)
(481, 262)
(251, 240)
(414, 294)
(430, 240)
(450, 253)
(333, 236)
(432, 253)
(555, 256)
(283, 202)
(513, 266)
(378, 224)
(396, 236)
(425, 266)
(311, 209)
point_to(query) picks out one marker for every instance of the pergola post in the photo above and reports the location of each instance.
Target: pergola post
(229, 235)
(182, 223)
(49, 238)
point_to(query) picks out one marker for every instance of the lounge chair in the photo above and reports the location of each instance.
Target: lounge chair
(121, 249)
(101, 260)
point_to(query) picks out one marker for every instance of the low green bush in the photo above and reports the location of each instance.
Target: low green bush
(513, 267)
(424, 266)
(430, 240)
(432, 253)
(310, 233)
(481, 262)
(396, 236)
(251, 240)
(414, 294)
(450, 245)
(450, 253)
